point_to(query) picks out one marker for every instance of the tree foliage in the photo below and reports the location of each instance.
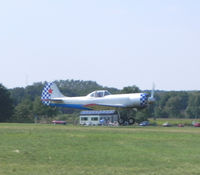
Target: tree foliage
(6, 104)
(193, 108)
(23, 112)
(130, 89)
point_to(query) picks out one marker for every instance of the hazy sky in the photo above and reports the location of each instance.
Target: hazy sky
(116, 43)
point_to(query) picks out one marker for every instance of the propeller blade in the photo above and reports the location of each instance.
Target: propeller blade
(151, 99)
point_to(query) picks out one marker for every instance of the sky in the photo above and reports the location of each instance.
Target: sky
(116, 43)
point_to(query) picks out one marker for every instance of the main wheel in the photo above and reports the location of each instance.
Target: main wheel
(131, 121)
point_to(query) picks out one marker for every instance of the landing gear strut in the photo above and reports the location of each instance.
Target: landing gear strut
(120, 120)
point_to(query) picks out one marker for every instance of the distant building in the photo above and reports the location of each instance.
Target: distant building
(106, 117)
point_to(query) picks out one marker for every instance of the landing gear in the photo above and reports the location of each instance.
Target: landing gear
(126, 120)
(131, 121)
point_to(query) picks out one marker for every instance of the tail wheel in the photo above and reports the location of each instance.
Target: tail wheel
(121, 121)
(131, 121)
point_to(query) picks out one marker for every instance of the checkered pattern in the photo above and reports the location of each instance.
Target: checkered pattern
(143, 99)
(46, 95)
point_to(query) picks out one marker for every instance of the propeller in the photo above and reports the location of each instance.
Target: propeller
(151, 99)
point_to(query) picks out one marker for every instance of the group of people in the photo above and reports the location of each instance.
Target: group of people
(107, 122)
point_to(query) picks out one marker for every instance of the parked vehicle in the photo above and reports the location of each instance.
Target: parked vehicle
(166, 124)
(197, 124)
(59, 122)
(144, 123)
(180, 125)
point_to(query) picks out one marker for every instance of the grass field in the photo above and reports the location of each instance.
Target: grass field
(28, 149)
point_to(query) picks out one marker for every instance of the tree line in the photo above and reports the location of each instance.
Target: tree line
(24, 104)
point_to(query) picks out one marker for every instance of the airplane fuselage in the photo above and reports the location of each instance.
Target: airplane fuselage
(97, 100)
(110, 101)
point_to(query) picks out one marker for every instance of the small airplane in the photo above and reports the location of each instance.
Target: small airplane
(97, 100)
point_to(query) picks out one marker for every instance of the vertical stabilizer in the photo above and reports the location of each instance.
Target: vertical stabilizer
(49, 92)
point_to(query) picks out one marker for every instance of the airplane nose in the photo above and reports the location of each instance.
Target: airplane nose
(143, 99)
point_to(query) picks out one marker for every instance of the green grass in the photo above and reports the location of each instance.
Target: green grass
(28, 149)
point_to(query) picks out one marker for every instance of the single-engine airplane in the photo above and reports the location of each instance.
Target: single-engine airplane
(97, 100)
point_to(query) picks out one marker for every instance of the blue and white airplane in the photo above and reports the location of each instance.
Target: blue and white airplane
(97, 100)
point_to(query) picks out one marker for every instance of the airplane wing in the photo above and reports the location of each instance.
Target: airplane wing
(103, 106)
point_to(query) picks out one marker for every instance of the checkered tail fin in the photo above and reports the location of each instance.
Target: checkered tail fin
(49, 92)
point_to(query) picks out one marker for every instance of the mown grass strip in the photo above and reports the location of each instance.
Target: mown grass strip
(48, 149)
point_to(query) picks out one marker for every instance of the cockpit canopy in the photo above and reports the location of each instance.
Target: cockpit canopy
(100, 93)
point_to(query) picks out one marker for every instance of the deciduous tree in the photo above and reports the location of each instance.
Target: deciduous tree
(6, 104)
